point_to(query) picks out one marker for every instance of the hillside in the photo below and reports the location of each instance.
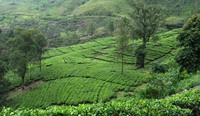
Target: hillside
(83, 66)
(75, 17)
(175, 105)
(89, 74)
(80, 57)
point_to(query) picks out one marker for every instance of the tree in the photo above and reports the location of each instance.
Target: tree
(111, 27)
(189, 42)
(147, 19)
(3, 59)
(4, 53)
(122, 40)
(4, 84)
(40, 43)
(91, 29)
(22, 49)
(25, 47)
(3, 56)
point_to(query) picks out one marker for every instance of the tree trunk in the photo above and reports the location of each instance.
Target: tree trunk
(122, 64)
(40, 64)
(30, 70)
(143, 54)
(142, 63)
(140, 60)
(140, 56)
(23, 81)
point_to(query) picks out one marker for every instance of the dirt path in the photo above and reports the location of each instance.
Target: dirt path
(196, 87)
(17, 91)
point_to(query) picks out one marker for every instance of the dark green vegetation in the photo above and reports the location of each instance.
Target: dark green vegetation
(25, 47)
(102, 74)
(147, 19)
(4, 84)
(189, 41)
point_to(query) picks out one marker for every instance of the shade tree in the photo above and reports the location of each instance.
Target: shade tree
(189, 43)
(25, 47)
(146, 20)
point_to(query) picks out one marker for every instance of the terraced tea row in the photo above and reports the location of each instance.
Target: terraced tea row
(71, 91)
(183, 104)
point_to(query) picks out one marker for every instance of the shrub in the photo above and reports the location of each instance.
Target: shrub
(188, 57)
(159, 67)
(163, 84)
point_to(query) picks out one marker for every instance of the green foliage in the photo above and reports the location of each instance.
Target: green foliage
(188, 83)
(72, 15)
(4, 83)
(68, 91)
(159, 67)
(3, 58)
(25, 47)
(91, 29)
(103, 8)
(188, 100)
(111, 27)
(122, 39)
(93, 61)
(186, 103)
(166, 84)
(147, 19)
(68, 38)
(69, 72)
(39, 42)
(188, 57)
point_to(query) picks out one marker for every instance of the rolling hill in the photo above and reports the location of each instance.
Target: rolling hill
(81, 73)
(89, 74)
(75, 17)
(71, 71)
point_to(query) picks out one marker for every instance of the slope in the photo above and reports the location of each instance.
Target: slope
(186, 103)
(88, 73)
(103, 7)
(66, 22)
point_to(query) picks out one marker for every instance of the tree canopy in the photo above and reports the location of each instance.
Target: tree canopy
(147, 19)
(26, 46)
(122, 40)
(189, 42)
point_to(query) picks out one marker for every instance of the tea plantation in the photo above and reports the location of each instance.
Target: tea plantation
(88, 73)
(183, 104)
(99, 58)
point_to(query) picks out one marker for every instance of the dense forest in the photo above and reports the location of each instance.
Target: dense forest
(99, 57)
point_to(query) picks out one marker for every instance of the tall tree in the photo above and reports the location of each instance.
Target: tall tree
(22, 49)
(40, 43)
(3, 59)
(25, 47)
(147, 19)
(189, 42)
(4, 84)
(4, 53)
(122, 40)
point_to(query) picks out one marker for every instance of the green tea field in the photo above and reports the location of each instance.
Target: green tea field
(88, 73)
